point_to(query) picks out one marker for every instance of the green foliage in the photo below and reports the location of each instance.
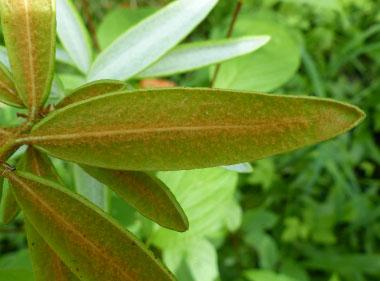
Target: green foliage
(278, 222)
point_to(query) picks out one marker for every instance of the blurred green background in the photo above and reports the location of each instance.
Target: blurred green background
(309, 215)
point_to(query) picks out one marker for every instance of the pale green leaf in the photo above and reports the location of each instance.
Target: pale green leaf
(62, 56)
(265, 69)
(118, 21)
(4, 59)
(57, 91)
(193, 56)
(29, 29)
(90, 188)
(180, 128)
(146, 42)
(244, 168)
(90, 90)
(199, 256)
(73, 35)
(205, 196)
(149, 195)
(71, 81)
(91, 244)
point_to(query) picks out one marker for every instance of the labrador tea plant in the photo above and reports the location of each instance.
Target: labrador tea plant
(120, 136)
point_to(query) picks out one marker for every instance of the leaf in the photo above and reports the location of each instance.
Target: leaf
(71, 81)
(4, 59)
(90, 90)
(62, 56)
(146, 193)
(46, 264)
(8, 92)
(73, 35)
(179, 128)
(329, 4)
(244, 168)
(264, 275)
(193, 56)
(57, 91)
(1, 188)
(206, 196)
(16, 274)
(265, 69)
(36, 163)
(200, 257)
(91, 244)
(29, 33)
(91, 188)
(118, 21)
(132, 52)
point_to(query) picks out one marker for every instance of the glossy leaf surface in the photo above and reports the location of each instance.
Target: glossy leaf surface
(29, 31)
(74, 35)
(132, 51)
(8, 92)
(146, 193)
(91, 244)
(193, 56)
(90, 90)
(180, 128)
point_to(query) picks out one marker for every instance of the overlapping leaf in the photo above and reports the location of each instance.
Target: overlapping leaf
(91, 244)
(29, 31)
(74, 35)
(193, 56)
(90, 90)
(146, 42)
(8, 92)
(171, 129)
(145, 192)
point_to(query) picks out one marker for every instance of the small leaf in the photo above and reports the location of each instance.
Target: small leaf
(146, 193)
(91, 244)
(243, 168)
(74, 35)
(193, 56)
(8, 92)
(90, 90)
(11, 208)
(180, 128)
(4, 59)
(29, 33)
(132, 52)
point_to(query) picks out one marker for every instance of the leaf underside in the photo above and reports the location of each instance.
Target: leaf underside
(8, 92)
(29, 31)
(90, 243)
(146, 193)
(180, 128)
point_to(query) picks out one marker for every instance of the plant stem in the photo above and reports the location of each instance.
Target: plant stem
(230, 30)
(91, 25)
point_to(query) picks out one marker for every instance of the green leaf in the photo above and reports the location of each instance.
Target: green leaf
(8, 92)
(4, 59)
(90, 243)
(91, 189)
(146, 193)
(119, 20)
(179, 128)
(36, 163)
(206, 197)
(199, 256)
(62, 56)
(263, 275)
(57, 91)
(329, 4)
(132, 52)
(244, 168)
(73, 35)
(90, 90)
(193, 56)
(1, 188)
(266, 69)
(71, 81)
(46, 264)
(29, 31)
(16, 274)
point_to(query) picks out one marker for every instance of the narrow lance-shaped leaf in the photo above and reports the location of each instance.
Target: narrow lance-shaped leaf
(90, 90)
(62, 56)
(145, 192)
(192, 56)
(74, 35)
(8, 92)
(29, 33)
(147, 41)
(180, 128)
(91, 244)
